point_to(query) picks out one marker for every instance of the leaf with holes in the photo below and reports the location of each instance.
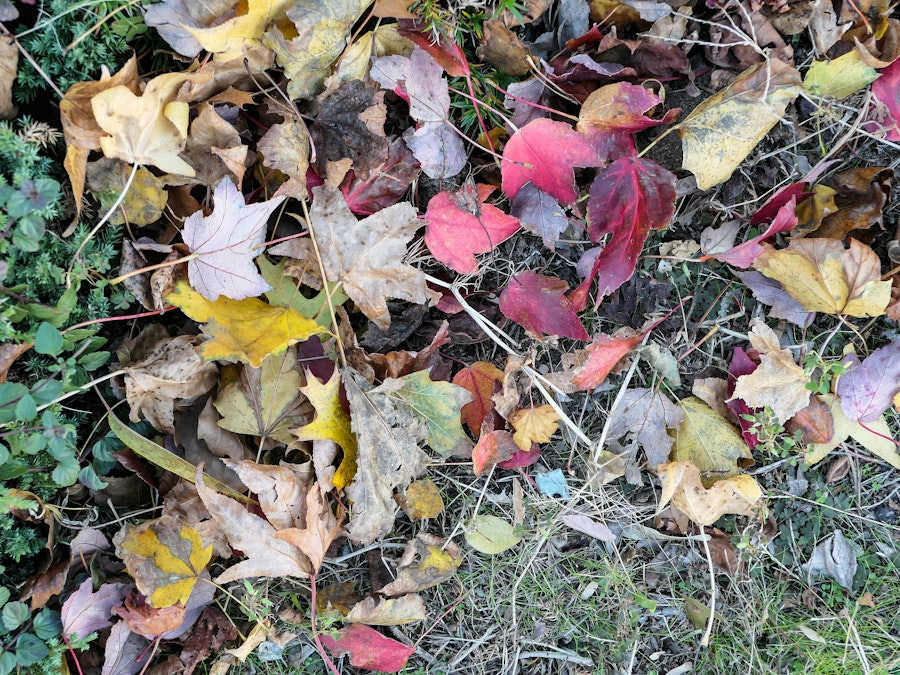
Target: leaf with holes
(544, 152)
(461, 224)
(628, 198)
(225, 244)
(539, 304)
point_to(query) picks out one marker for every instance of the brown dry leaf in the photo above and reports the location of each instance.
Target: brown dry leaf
(9, 61)
(322, 527)
(725, 128)
(366, 256)
(503, 49)
(407, 608)
(421, 500)
(80, 128)
(388, 456)
(427, 561)
(150, 128)
(267, 556)
(285, 147)
(144, 619)
(280, 490)
(214, 149)
(171, 372)
(534, 425)
(815, 422)
(823, 26)
(734, 54)
(860, 195)
(778, 382)
(9, 352)
(681, 485)
(646, 414)
(823, 276)
(713, 391)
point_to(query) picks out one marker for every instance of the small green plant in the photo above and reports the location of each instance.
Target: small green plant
(772, 436)
(27, 640)
(821, 372)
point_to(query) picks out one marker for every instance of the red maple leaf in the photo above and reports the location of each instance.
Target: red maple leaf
(744, 254)
(369, 649)
(539, 304)
(544, 152)
(460, 224)
(627, 199)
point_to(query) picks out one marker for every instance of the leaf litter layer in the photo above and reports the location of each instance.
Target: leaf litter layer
(482, 358)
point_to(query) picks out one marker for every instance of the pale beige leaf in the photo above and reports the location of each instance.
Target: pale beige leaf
(9, 59)
(875, 436)
(285, 147)
(280, 490)
(389, 611)
(214, 149)
(681, 485)
(778, 382)
(321, 529)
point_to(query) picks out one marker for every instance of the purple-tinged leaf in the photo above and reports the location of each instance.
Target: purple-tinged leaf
(744, 254)
(540, 214)
(386, 186)
(86, 611)
(867, 387)
(438, 148)
(126, 652)
(538, 303)
(770, 292)
(741, 364)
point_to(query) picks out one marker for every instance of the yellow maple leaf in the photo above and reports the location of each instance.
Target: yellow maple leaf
(247, 330)
(534, 425)
(823, 276)
(681, 485)
(230, 38)
(332, 423)
(165, 557)
(150, 128)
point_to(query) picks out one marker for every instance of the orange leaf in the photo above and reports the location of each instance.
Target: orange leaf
(492, 448)
(481, 379)
(603, 355)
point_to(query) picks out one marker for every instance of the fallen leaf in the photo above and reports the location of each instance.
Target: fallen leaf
(587, 525)
(214, 148)
(421, 500)
(866, 388)
(834, 558)
(172, 373)
(285, 148)
(461, 224)
(321, 29)
(427, 561)
(681, 484)
(148, 129)
(493, 448)
(770, 292)
(602, 356)
(407, 608)
(491, 535)
(387, 186)
(224, 245)
(9, 61)
(538, 303)
(388, 456)
(875, 436)
(720, 132)
(267, 555)
(823, 276)
(540, 214)
(171, 17)
(331, 423)
(164, 557)
(322, 527)
(815, 422)
(886, 90)
(544, 152)
(481, 379)
(839, 77)
(366, 256)
(709, 442)
(503, 49)
(744, 254)
(438, 404)
(86, 611)
(646, 414)
(534, 425)
(143, 203)
(369, 649)
(778, 382)
(438, 148)
(232, 37)
(247, 330)
(263, 401)
(628, 198)
(856, 203)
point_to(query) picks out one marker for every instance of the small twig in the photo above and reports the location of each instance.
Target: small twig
(704, 641)
(318, 641)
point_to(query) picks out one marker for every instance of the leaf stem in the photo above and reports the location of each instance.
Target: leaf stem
(316, 639)
(158, 266)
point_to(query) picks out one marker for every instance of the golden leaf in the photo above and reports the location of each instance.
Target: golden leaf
(422, 500)
(681, 485)
(709, 442)
(534, 425)
(230, 38)
(874, 436)
(246, 330)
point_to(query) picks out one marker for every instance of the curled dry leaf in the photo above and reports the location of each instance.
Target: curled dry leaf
(427, 561)
(681, 484)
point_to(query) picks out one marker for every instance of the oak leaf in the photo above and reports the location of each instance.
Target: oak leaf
(823, 276)
(720, 132)
(165, 558)
(246, 330)
(224, 244)
(332, 423)
(534, 425)
(366, 256)
(461, 224)
(778, 382)
(681, 484)
(709, 442)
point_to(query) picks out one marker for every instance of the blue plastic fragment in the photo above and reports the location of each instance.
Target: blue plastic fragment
(552, 484)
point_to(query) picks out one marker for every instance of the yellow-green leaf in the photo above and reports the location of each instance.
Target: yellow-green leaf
(246, 330)
(491, 535)
(143, 203)
(840, 77)
(165, 557)
(332, 423)
(708, 440)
